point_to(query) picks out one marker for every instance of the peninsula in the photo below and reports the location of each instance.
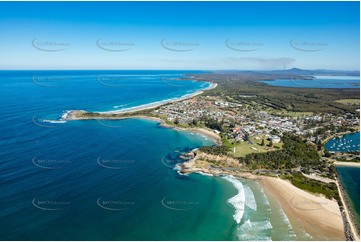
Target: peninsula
(265, 134)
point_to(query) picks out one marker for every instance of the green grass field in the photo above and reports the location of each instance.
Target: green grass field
(349, 101)
(243, 148)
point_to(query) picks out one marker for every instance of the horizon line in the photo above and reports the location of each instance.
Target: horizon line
(317, 69)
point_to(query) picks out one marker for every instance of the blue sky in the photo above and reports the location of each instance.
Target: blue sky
(180, 35)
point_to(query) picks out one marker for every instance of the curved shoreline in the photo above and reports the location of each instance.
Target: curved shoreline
(108, 115)
(324, 142)
(111, 115)
(346, 163)
(201, 131)
(142, 107)
(319, 216)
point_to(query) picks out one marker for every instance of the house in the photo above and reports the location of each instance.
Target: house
(216, 131)
(274, 138)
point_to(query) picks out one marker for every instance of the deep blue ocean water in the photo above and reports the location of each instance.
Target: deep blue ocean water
(319, 82)
(114, 180)
(83, 180)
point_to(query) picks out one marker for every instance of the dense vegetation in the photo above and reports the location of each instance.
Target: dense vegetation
(247, 88)
(328, 189)
(212, 123)
(215, 150)
(295, 153)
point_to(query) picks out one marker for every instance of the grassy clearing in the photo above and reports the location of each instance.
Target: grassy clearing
(349, 101)
(243, 148)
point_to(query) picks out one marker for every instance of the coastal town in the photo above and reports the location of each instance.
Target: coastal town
(180, 120)
(247, 128)
(239, 123)
(256, 141)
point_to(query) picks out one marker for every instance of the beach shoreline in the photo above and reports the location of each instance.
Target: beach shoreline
(71, 115)
(345, 163)
(324, 141)
(201, 131)
(317, 215)
(308, 213)
(74, 115)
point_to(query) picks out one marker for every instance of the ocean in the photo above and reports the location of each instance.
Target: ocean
(114, 180)
(319, 82)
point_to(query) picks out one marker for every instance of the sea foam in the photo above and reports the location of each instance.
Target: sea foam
(53, 121)
(237, 201)
(291, 233)
(257, 230)
(250, 201)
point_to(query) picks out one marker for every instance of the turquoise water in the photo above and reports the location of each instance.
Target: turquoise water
(319, 82)
(350, 179)
(346, 143)
(113, 180)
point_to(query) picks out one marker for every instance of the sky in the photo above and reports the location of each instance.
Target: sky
(180, 35)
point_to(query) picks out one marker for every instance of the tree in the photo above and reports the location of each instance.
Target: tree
(270, 143)
(246, 137)
(319, 145)
(316, 138)
(262, 143)
(327, 153)
(194, 122)
(176, 121)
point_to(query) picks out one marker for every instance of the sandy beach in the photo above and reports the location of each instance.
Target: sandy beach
(160, 103)
(318, 216)
(73, 114)
(341, 163)
(202, 131)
